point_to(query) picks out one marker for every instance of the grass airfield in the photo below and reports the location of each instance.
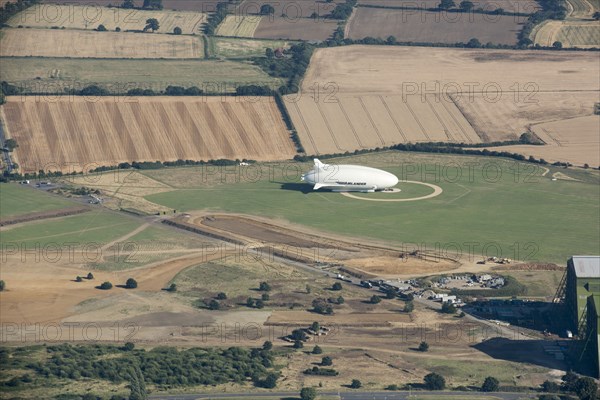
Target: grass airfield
(494, 206)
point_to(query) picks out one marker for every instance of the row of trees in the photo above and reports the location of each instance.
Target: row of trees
(147, 5)
(9, 9)
(129, 284)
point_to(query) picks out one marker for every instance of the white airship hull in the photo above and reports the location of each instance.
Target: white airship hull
(348, 178)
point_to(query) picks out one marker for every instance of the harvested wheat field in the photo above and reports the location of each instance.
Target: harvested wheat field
(205, 6)
(88, 44)
(437, 27)
(581, 34)
(107, 131)
(518, 112)
(238, 25)
(576, 141)
(483, 96)
(90, 17)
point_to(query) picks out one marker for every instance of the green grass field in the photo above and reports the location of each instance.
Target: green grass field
(97, 227)
(497, 207)
(18, 200)
(53, 74)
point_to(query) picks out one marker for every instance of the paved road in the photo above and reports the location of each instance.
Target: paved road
(400, 395)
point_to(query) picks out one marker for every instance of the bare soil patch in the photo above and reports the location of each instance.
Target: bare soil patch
(436, 27)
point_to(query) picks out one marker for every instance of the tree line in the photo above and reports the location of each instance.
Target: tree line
(161, 366)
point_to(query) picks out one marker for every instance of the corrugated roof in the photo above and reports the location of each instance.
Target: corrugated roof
(586, 266)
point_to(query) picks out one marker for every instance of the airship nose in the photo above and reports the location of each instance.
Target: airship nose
(392, 180)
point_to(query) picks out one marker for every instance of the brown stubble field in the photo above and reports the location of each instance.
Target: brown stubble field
(111, 130)
(89, 44)
(364, 98)
(521, 6)
(437, 27)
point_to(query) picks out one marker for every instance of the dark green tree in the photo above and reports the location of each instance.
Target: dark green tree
(317, 350)
(101, 28)
(2, 285)
(177, 30)
(268, 345)
(90, 275)
(409, 307)
(308, 393)
(269, 53)
(267, 9)
(355, 384)
(448, 308)
(10, 144)
(586, 388)
(550, 387)
(474, 43)
(214, 305)
(375, 299)
(106, 285)
(131, 283)
(129, 346)
(221, 296)
(557, 45)
(264, 287)
(152, 23)
(326, 361)
(153, 4)
(315, 326)
(172, 287)
(466, 5)
(128, 4)
(423, 346)
(434, 381)
(336, 286)
(490, 384)
(446, 4)
(298, 334)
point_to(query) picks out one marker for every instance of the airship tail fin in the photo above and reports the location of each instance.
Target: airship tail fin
(319, 164)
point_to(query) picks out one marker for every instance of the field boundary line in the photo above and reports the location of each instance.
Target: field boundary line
(460, 127)
(356, 135)
(360, 100)
(437, 115)
(312, 141)
(337, 145)
(387, 107)
(417, 120)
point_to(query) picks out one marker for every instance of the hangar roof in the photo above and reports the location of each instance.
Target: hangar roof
(586, 266)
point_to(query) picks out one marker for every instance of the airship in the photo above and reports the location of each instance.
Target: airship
(348, 178)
